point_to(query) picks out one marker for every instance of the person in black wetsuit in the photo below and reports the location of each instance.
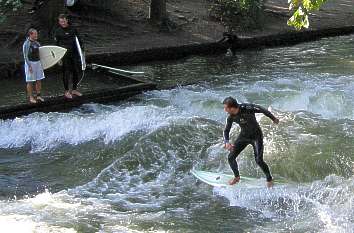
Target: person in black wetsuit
(64, 36)
(231, 40)
(251, 134)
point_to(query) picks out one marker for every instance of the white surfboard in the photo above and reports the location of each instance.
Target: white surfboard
(81, 53)
(50, 55)
(222, 180)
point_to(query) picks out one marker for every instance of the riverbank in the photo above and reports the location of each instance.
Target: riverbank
(132, 33)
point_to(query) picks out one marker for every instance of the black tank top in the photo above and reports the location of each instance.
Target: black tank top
(33, 52)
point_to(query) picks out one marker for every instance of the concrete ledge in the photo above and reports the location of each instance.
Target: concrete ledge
(60, 103)
(176, 52)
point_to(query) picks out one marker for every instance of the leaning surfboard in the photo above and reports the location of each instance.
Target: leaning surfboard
(50, 55)
(118, 71)
(81, 53)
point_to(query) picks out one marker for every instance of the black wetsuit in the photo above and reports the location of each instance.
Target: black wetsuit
(251, 133)
(231, 40)
(65, 37)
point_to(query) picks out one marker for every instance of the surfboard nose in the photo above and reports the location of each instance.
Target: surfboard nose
(50, 55)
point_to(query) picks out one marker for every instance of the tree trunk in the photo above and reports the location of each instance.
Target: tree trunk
(158, 10)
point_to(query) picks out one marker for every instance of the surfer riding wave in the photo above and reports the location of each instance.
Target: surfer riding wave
(251, 134)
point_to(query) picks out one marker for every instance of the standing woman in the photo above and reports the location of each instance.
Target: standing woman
(65, 37)
(33, 67)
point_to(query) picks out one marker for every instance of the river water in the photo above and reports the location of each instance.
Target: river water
(125, 167)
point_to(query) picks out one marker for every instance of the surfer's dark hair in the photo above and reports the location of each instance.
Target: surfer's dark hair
(230, 102)
(62, 16)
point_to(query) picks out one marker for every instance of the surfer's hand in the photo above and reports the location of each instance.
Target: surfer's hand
(276, 121)
(228, 146)
(30, 69)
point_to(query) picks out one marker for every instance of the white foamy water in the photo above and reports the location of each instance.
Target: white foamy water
(329, 203)
(47, 131)
(144, 184)
(328, 97)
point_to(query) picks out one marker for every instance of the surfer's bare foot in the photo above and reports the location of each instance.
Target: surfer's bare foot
(234, 180)
(75, 92)
(32, 100)
(68, 95)
(270, 184)
(40, 99)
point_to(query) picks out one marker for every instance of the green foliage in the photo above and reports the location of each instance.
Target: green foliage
(245, 14)
(7, 6)
(241, 14)
(302, 9)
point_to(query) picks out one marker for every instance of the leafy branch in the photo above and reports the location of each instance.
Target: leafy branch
(7, 6)
(302, 9)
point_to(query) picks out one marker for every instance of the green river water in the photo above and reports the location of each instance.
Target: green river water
(125, 167)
